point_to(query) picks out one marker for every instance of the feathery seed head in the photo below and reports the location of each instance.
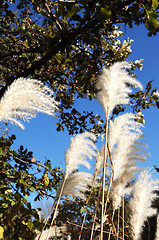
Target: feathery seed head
(99, 162)
(124, 135)
(82, 147)
(127, 125)
(112, 86)
(24, 98)
(75, 185)
(120, 183)
(140, 204)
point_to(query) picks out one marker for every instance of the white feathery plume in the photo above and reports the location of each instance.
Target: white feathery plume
(75, 185)
(123, 154)
(124, 133)
(82, 147)
(140, 204)
(112, 86)
(99, 162)
(124, 123)
(157, 229)
(124, 168)
(120, 188)
(124, 139)
(24, 98)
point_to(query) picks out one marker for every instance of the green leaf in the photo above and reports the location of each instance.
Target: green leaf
(151, 22)
(4, 205)
(1, 232)
(106, 12)
(32, 189)
(1, 152)
(23, 26)
(30, 225)
(82, 210)
(155, 4)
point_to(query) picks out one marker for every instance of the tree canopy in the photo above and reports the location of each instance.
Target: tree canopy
(65, 44)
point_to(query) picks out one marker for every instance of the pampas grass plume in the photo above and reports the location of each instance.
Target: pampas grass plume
(75, 185)
(140, 204)
(82, 147)
(124, 135)
(112, 86)
(24, 98)
(99, 162)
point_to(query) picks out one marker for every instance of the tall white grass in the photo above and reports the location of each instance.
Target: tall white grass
(82, 148)
(125, 124)
(99, 162)
(113, 88)
(140, 204)
(124, 135)
(24, 98)
(123, 149)
(75, 184)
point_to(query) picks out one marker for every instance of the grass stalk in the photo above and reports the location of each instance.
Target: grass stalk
(118, 223)
(110, 227)
(80, 234)
(103, 177)
(56, 205)
(96, 211)
(123, 217)
(47, 220)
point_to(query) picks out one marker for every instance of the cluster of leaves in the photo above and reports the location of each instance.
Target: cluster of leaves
(66, 43)
(22, 176)
(145, 99)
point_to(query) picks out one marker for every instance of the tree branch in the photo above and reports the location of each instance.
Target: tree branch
(10, 54)
(67, 38)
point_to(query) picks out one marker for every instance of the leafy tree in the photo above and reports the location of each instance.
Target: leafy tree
(65, 44)
(21, 176)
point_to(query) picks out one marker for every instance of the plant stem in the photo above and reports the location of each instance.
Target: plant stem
(123, 218)
(80, 234)
(96, 210)
(103, 177)
(57, 203)
(118, 223)
(110, 227)
(47, 219)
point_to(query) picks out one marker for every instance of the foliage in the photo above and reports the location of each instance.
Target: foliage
(21, 176)
(65, 44)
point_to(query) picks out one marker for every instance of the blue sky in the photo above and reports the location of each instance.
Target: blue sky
(41, 137)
